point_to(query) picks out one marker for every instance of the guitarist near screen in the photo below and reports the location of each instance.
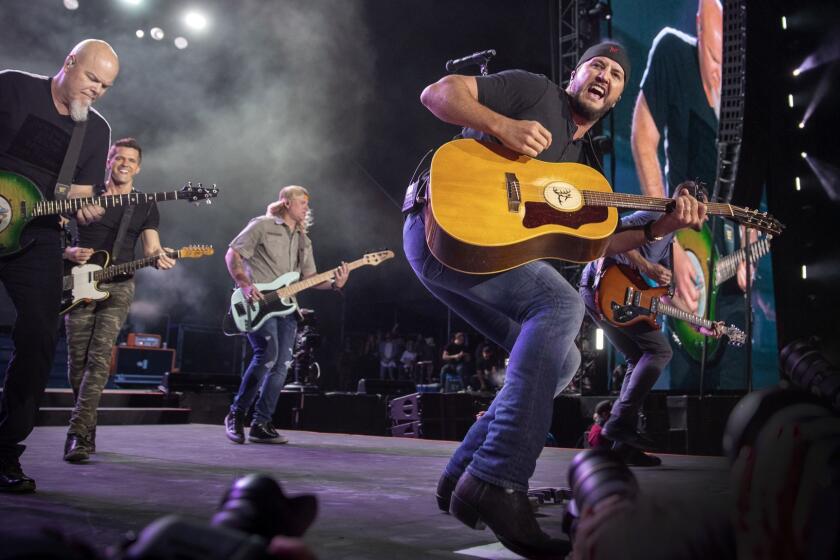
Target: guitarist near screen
(646, 347)
(92, 328)
(37, 120)
(268, 247)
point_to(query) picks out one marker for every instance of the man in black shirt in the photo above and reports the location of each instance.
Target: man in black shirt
(92, 328)
(456, 360)
(531, 311)
(36, 121)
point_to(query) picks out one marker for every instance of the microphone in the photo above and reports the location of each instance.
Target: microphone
(481, 57)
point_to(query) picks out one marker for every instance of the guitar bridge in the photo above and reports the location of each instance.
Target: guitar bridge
(514, 193)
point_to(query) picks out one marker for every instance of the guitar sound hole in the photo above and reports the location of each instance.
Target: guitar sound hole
(540, 214)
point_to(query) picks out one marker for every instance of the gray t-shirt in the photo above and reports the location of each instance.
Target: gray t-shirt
(270, 249)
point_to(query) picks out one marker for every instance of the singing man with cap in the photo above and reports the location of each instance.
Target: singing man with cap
(531, 311)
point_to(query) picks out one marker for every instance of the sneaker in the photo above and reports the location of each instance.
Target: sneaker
(235, 427)
(264, 432)
(12, 478)
(618, 433)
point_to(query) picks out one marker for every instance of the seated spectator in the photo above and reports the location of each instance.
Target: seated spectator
(487, 369)
(455, 363)
(602, 413)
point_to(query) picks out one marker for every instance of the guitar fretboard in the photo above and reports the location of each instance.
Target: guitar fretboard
(728, 265)
(639, 202)
(130, 267)
(49, 207)
(292, 289)
(677, 313)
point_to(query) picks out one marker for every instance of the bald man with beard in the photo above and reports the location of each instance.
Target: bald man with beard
(36, 122)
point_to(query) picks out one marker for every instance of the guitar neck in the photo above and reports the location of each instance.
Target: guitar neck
(640, 202)
(727, 267)
(292, 289)
(677, 313)
(130, 267)
(49, 207)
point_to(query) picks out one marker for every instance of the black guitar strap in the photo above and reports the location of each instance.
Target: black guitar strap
(71, 158)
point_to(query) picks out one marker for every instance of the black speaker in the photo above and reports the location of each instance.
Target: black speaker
(140, 367)
(389, 387)
(204, 349)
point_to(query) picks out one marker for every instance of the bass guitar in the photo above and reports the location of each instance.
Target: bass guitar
(624, 298)
(81, 281)
(21, 201)
(491, 209)
(279, 295)
(699, 247)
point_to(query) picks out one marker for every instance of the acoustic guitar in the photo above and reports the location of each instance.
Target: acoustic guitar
(491, 209)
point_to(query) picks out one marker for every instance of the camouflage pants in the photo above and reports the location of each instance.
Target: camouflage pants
(92, 329)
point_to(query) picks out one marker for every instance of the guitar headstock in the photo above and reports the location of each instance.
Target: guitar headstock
(377, 257)
(198, 193)
(736, 336)
(195, 251)
(761, 221)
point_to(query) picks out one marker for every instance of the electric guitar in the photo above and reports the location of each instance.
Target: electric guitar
(491, 209)
(21, 201)
(624, 298)
(245, 317)
(81, 281)
(699, 247)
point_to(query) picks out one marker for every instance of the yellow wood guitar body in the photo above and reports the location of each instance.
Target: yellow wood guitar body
(492, 209)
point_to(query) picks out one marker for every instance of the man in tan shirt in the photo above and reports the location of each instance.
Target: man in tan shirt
(268, 247)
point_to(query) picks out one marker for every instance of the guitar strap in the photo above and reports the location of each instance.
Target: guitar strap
(71, 158)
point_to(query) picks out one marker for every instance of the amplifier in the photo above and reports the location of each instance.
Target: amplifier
(138, 366)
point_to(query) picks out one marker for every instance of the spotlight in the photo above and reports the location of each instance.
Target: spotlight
(195, 20)
(71, 4)
(797, 72)
(600, 10)
(181, 43)
(140, 33)
(802, 125)
(599, 339)
(804, 272)
(790, 100)
(784, 22)
(156, 33)
(132, 2)
(798, 184)
(804, 155)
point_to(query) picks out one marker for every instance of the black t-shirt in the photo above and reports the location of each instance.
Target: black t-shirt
(677, 101)
(453, 349)
(102, 234)
(34, 136)
(522, 95)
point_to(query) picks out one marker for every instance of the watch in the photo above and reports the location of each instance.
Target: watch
(649, 236)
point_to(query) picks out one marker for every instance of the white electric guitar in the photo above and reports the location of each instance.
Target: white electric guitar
(279, 296)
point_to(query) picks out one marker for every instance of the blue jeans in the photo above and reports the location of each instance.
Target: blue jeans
(272, 344)
(534, 314)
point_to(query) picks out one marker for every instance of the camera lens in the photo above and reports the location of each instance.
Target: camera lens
(598, 473)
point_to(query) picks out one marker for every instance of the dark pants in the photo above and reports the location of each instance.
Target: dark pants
(33, 280)
(647, 352)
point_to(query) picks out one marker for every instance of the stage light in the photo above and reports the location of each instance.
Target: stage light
(828, 175)
(790, 100)
(802, 125)
(71, 4)
(132, 2)
(599, 339)
(180, 43)
(797, 72)
(804, 272)
(798, 184)
(140, 33)
(156, 33)
(600, 10)
(784, 22)
(195, 20)
(804, 155)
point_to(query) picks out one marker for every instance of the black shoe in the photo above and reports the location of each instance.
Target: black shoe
(620, 434)
(12, 478)
(445, 486)
(635, 457)
(235, 427)
(265, 433)
(509, 515)
(76, 449)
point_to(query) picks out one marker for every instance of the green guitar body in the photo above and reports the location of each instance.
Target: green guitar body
(18, 197)
(700, 249)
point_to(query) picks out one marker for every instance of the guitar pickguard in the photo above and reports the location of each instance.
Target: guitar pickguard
(540, 214)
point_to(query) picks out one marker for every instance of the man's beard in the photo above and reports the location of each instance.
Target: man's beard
(79, 110)
(589, 113)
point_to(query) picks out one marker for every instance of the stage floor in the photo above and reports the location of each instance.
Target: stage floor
(376, 494)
